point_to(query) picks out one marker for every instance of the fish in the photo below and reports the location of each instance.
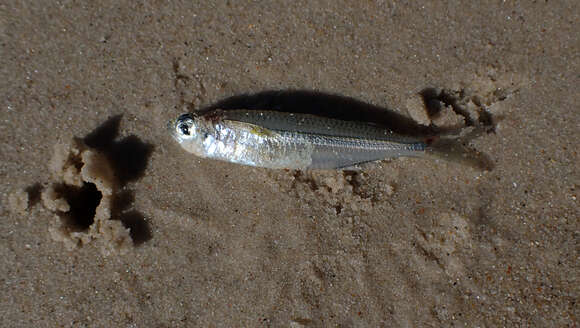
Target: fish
(282, 140)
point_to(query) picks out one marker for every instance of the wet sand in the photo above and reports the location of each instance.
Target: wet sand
(186, 242)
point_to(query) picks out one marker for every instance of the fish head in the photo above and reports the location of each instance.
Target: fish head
(189, 131)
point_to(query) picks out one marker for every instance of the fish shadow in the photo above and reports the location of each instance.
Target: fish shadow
(326, 105)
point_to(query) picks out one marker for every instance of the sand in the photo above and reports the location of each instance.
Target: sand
(106, 222)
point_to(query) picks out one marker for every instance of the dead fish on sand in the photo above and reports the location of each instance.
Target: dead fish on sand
(280, 140)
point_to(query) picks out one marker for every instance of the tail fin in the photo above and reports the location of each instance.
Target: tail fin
(454, 149)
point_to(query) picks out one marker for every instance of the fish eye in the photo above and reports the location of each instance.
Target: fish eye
(184, 126)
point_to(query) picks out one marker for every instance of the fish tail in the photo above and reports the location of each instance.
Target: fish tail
(455, 149)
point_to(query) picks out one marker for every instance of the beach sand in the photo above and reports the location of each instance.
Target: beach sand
(106, 222)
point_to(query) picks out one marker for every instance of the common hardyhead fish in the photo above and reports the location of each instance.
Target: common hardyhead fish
(280, 140)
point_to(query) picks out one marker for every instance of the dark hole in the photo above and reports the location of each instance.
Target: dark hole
(338, 208)
(486, 119)
(34, 193)
(432, 100)
(83, 203)
(128, 158)
(434, 107)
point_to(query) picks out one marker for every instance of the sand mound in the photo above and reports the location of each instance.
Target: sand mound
(81, 195)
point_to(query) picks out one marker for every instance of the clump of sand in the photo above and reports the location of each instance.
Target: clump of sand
(468, 103)
(417, 109)
(74, 167)
(434, 111)
(18, 202)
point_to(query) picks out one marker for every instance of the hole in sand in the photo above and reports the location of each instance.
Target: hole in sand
(34, 192)
(89, 194)
(83, 202)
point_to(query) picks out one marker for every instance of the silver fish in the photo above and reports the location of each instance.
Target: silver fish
(279, 140)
